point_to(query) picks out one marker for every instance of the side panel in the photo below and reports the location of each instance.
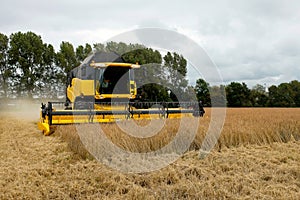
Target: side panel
(80, 88)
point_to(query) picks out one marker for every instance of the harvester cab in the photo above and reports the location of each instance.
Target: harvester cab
(103, 89)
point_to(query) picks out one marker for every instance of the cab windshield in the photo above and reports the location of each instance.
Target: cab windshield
(115, 80)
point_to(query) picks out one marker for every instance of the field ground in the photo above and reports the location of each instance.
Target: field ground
(257, 158)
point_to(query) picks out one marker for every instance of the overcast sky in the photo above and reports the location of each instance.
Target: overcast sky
(254, 41)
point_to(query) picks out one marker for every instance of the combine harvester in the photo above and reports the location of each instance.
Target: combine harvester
(103, 89)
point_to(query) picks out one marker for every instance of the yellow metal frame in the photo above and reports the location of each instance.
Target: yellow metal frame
(110, 64)
(45, 126)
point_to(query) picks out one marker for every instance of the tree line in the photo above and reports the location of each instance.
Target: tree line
(30, 68)
(238, 94)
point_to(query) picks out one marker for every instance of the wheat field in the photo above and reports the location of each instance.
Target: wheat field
(256, 157)
(242, 126)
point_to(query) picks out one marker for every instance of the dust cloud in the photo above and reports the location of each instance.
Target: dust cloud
(28, 110)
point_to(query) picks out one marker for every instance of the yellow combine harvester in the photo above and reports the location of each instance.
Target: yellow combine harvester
(103, 89)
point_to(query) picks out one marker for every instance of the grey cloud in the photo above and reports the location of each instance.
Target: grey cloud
(248, 40)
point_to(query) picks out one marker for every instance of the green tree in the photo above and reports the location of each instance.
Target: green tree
(286, 94)
(5, 69)
(273, 100)
(87, 49)
(131, 53)
(295, 85)
(99, 47)
(83, 52)
(26, 54)
(238, 95)
(258, 96)
(149, 78)
(50, 84)
(176, 62)
(202, 92)
(142, 56)
(121, 47)
(151, 83)
(218, 96)
(80, 53)
(66, 60)
(175, 70)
